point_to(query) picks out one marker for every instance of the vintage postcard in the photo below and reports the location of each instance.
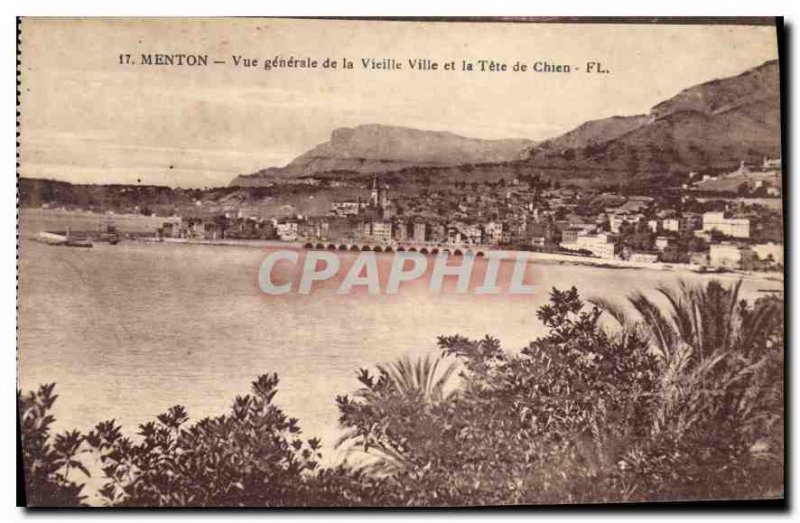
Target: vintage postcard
(274, 262)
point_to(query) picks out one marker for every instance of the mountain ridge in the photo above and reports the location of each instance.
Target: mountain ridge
(374, 148)
(710, 126)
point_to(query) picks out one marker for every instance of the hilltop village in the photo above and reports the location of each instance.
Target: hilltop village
(742, 230)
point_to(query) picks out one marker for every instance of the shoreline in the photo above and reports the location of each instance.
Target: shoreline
(532, 256)
(145, 235)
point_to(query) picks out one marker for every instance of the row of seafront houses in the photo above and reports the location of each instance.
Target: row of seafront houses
(299, 228)
(734, 250)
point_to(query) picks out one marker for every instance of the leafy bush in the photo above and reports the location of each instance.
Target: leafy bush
(253, 456)
(47, 462)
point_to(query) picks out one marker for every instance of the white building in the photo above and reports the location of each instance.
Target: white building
(287, 231)
(671, 224)
(347, 208)
(600, 245)
(644, 257)
(471, 233)
(662, 242)
(453, 235)
(615, 221)
(493, 233)
(419, 232)
(729, 255)
(381, 231)
(683, 224)
(733, 227)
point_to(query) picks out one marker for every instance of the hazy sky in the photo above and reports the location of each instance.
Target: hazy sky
(87, 119)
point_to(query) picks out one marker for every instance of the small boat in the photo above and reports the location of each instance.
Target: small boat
(78, 243)
(52, 238)
(708, 269)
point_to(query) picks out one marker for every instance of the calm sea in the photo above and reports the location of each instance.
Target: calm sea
(127, 331)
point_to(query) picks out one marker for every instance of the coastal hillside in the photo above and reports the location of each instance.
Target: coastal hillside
(593, 132)
(282, 200)
(368, 149)
(708, 127)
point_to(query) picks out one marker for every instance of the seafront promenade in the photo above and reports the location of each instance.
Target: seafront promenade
(143, 229)
(532, 256)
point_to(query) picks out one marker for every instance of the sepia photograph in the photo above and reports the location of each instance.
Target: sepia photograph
(428, 262)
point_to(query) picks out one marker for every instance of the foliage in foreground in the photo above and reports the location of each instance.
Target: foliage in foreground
(587, 414)
(683, 403)
(47, 461)
(251, 456)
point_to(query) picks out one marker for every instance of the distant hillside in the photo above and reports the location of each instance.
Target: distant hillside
(758, 84)
(35, 192)
(711, 126)
(368, 149)
(166, 201)
(593, 132)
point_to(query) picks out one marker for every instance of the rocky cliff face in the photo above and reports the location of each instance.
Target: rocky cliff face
(367, 149)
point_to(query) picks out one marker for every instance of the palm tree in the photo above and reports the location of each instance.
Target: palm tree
(404, 389)
(705, 320)
(420, 380)
(718, 355)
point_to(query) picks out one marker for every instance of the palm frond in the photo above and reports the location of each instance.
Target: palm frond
(682, 313)
(613, 310)
(422, 379)
(662, 332)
